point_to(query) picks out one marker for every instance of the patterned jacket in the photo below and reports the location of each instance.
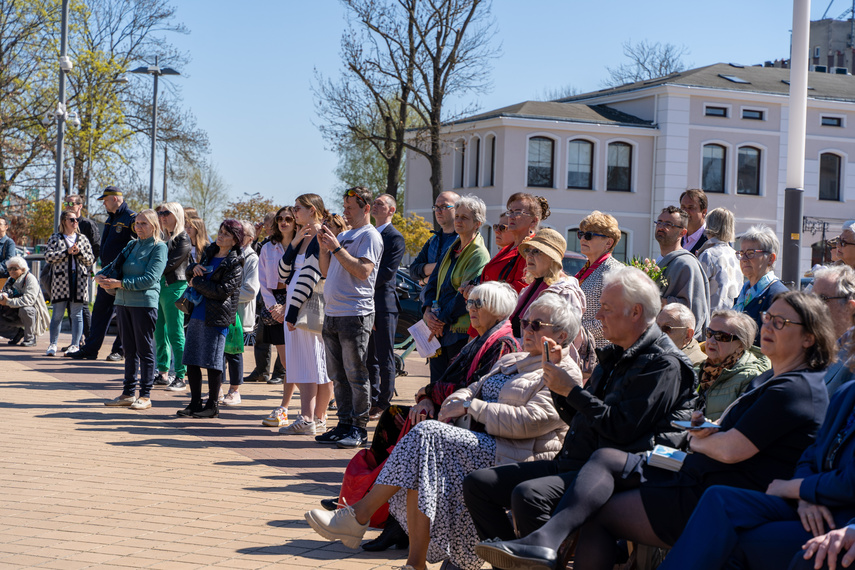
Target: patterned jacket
(722, 268)
(61, 267)
(592, 286)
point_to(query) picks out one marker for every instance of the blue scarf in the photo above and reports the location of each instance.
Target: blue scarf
(748, 292)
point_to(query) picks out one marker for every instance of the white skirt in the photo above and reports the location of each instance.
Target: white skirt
(305, 359)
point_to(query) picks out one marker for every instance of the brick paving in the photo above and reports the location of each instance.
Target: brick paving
(83, 485)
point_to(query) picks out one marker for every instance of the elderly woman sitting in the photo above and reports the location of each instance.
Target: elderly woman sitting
(24, 314)
(732, 361)
(758, 250)
(513, 419)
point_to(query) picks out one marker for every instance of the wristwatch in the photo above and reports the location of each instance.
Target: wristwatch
(466, 404)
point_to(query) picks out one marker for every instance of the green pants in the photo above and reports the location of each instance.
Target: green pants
(169, 329)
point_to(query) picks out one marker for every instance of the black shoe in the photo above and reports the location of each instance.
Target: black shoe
(393, 536)
(510, 555)
(332, 436)
(256, 376)
(211, 410)
(161, 380)
(17, 338)
(81, 355)
(330, 504)
(332, 407)
(114, 357)
(192, 408)
(29, 342)
(64, 348)
(177, 385)
(358, 437)
(276, 380)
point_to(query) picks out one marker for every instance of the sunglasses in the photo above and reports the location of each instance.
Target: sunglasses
(750, 253)
(163, 213)
(534, 325)
(72, 220)
(73, 203)
(474, 304)
(777, 321)
(588, 236)
(355, 194)
(500, 227)
(721, 336)
(668, 328)
(286, 219)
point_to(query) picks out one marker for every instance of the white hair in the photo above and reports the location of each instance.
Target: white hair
(841, 276)
(637, 289)
(849, 225)
(475, 205)
(764, 236)
(561, 315)
(497, 297)
(16, 261)
(681, 314)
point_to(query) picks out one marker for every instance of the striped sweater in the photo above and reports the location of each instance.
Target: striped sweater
(306, 280)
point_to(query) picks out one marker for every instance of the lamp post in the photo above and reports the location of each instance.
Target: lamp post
(65, 66)
(155, 71)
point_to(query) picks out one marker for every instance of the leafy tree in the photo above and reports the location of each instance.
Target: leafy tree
(253, 209)
(647, 61)
(360, 164)
(415, 229)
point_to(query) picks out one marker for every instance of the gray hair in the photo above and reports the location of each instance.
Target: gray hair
(843, 278)
(763, 235)
(475, 205)
(248, 229)
(720, 224)
(16, 261)
(638, 289)
(746, 327)
(849, 225)
(681, 314)
(497, 297)
(561, 315)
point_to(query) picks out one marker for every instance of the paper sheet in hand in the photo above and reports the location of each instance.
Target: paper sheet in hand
(421, 333)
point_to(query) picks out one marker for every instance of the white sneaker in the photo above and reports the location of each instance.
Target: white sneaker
(300, 426)
(51, 350)
(340, 524)
(232, 399)
(220, 397)
(72, 349)
(320, 425)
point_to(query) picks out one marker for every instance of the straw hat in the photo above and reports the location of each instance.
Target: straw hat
(547, 241)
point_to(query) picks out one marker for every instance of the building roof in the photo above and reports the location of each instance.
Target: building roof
(735, 77)
(558, 111)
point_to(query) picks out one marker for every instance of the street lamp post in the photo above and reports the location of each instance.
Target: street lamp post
(155, 71)
(64, 67)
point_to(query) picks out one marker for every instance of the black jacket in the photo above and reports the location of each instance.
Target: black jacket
(118, 231)
(698, 244)
(761, 303)
(90, 229)
(385, 297)
(222, 290)
(177, 258)
(629, 401)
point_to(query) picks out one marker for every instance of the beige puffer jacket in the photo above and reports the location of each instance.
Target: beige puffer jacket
(524, 420)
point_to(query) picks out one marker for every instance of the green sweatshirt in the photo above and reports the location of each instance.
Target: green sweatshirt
(141, 273)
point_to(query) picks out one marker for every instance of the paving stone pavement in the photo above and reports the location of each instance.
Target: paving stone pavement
(83, 485)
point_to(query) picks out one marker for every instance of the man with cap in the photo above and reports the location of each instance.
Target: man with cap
(118, 231)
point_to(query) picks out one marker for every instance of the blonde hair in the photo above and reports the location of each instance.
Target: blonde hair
(201, 241)
(151, 217)
(553, 274)
(176, 210)
(312, 201)
(601, 223)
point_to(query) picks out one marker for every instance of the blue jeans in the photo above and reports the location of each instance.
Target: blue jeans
(76, 313)
(346, 347)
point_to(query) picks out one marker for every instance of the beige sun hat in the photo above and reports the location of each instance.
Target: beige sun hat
(547, 241)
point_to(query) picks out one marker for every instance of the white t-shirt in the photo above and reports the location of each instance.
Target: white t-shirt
(344, 294)
(70, 241)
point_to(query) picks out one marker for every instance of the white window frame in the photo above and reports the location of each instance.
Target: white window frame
(764, 154)
(556, 152)
(728, 154)
(594, 170)
(844, 161)
(604, 170)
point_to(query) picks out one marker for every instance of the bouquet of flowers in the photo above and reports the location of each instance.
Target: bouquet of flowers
(649, 267)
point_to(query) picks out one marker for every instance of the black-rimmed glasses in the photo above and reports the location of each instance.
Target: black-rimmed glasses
(777, 321)
(474, 304)
(666, 225)
(750, 253)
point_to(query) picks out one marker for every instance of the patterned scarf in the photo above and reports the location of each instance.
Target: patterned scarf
(710, 372)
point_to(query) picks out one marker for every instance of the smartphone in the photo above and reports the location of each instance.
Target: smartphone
(546, 349)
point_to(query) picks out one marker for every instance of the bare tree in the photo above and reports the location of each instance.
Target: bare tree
(556, 93)
(207, 191)
(647, 61)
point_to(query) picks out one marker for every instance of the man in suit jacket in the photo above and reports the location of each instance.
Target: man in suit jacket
(694, 202)
(381, 358)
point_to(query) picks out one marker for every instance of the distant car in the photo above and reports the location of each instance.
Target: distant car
(573, 262)
(23, 251)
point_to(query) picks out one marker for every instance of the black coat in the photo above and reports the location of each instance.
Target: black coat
(761, 303)
(629, 401)
(222, 290)
(385, 297)
(177, 258)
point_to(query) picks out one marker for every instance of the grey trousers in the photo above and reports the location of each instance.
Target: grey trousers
(26, 320)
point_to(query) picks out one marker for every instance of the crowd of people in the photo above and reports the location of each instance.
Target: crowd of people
(702, 412)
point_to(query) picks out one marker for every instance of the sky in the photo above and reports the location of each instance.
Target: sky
(252, 67)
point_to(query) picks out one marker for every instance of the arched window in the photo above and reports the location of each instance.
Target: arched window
(540, 161)
(829, 176)
(475, 163)
(580, 164)
(714, 168)
(490, 162)
(619, 167)
(459, 162)
(748, 171)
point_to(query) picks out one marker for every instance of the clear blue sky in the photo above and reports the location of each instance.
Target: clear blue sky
(253, 64)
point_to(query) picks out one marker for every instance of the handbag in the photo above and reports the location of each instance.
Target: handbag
(311, 315)
(359, 477)
(115, 268)
(46, 280)
(281, 296)
(188, 300)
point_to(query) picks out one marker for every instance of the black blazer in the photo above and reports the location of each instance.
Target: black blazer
(761, 303)
(177, 258)
(698, 244)
(385, 298)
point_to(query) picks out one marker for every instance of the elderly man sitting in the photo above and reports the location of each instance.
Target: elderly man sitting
(23, 314)
(678, 322)
(836, 287)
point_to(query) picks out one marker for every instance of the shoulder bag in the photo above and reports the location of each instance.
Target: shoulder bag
(311, 315)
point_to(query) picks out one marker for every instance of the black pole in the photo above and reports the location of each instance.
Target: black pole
(60, 119)
(791, 246)
(153, 140)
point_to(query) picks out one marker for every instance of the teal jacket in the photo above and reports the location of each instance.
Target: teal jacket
(733, 381)
(145, 261)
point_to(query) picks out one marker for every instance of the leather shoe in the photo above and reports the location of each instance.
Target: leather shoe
(256, 376)
(511, 555)
(81, 355)
(374, 413)
(17, 338)
(330, 504)
(393, 536)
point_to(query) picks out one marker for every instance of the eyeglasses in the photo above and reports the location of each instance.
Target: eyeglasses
(750, 253)
(826, 299)
(286, 219)
(533, 252)
(666, 225)
(500, 227)
(841, 243)
(474, 304)
(517, 213)
(163, 213)
(588, 236)
(668, 328)
(73, 203)
(443, 208)
(721, 336)
(534, 325)
(354, 194)
(10, 269)
(777, 321)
